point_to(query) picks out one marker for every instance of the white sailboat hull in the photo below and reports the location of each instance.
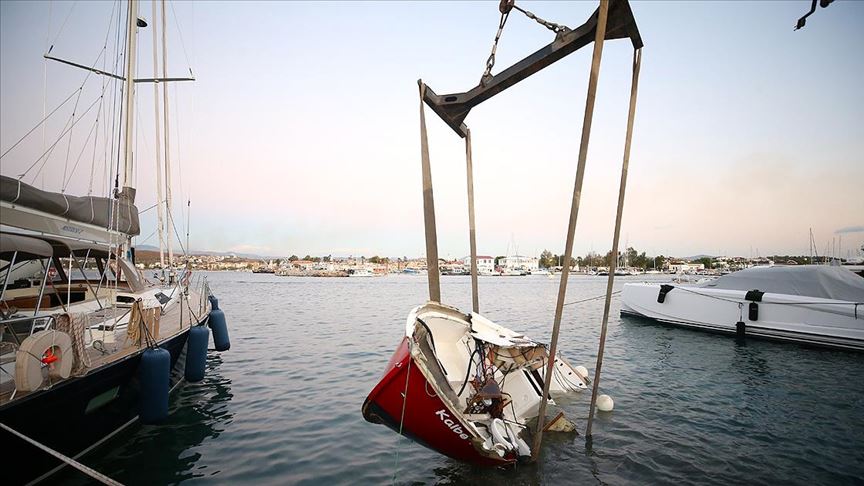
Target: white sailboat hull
(811, 320)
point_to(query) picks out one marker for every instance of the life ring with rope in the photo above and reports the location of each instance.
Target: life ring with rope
(44, 355)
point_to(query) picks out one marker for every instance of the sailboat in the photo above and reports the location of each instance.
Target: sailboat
(467, 387)
(88, 346)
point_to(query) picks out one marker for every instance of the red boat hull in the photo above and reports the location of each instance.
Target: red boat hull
(426, 419)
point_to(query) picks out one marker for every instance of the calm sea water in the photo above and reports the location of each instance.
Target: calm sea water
(283, 405)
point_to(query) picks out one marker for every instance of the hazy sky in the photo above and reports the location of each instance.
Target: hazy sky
(301, 133)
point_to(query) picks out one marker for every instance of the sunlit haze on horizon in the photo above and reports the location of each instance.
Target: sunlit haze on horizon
(300, 134)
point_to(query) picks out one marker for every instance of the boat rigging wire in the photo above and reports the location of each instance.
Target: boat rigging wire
(83, 148)
(68, 127)
(68, 460)
(404, 402)
(468, 369)
(596, 297)
(43, 120)
(51, 148)
(180, 33)
(62, 26)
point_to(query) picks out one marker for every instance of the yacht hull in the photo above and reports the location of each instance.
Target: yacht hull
(77, 414)
(810, 320)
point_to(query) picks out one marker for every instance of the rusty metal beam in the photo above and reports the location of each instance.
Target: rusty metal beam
(454, 107)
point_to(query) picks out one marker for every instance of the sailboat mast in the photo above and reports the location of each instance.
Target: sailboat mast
(128, 191)
(159, 199)
(168, 197)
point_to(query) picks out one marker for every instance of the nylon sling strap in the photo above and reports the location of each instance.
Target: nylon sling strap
(429, 207)
(472, 232)
(634, 87)
(600, 35)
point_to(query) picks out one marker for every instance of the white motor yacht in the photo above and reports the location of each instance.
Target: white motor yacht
(815, 304)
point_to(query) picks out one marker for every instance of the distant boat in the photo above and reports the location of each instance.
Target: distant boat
(511, 272)
(264, 270)
(809, 303)
(360, 272)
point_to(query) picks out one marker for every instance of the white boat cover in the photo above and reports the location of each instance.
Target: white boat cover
(821, 281)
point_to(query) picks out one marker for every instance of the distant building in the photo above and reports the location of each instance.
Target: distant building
(686, 267)
(519, 262)
(485, 264)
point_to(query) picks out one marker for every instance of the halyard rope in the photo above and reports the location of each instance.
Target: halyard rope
(68, 460)
(402, 418)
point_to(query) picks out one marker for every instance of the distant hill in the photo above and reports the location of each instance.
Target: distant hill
(151, 249)
(696, 257)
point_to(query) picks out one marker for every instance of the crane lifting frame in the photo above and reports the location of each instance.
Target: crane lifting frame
(454, 107)
(613, 19)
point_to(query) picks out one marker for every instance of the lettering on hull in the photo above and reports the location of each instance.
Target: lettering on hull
(451, 424)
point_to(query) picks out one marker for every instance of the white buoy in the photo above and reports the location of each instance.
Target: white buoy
(583, 372)
(605, 403)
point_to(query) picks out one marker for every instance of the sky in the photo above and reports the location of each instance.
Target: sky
(300, 134)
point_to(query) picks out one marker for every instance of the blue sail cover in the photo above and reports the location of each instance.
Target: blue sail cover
(826, 282)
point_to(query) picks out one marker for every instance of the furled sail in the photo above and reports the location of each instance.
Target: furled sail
(96, 211)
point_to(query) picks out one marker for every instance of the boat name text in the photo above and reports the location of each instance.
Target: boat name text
(451, 424)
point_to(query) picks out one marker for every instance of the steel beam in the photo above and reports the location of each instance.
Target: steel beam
(454, 107)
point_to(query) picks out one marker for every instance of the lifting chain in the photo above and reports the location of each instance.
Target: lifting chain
(557, 28)
(505, 6)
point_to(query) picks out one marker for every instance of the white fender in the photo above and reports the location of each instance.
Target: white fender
(524, 450)
(520, 444)
(500, 449)
(29, 369)
(501, 434)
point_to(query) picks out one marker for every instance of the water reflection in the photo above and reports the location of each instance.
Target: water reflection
(167, 453)
(690, 407)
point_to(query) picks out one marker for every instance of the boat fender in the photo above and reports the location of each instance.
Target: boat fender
(220, 330)
(501, 434)
(500, 449)
(582, 373)
(488, 444)
(754, 295)
(196, 353)
(664, 289)
(154, 374)
(753, 311)
(740, 329)
(524, 450)
(214, 302)
(520, 444)
(45, 351)
(605, 403)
